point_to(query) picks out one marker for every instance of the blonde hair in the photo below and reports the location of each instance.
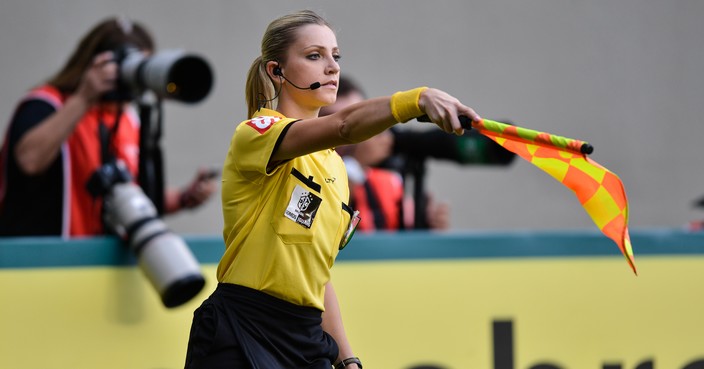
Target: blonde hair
(278, 37)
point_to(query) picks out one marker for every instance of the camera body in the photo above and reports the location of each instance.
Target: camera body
(170, 74)
(162, 255)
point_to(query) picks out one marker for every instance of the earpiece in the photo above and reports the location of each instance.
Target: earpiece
(277, 71)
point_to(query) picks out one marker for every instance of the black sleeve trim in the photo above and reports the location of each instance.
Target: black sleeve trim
(270, 167)
(281, 137)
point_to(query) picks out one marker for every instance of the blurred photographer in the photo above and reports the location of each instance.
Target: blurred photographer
(412, 148)
(64, 130)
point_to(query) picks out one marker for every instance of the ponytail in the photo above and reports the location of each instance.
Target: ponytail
(259, 90)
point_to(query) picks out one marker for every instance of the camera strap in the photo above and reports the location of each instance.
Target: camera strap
(106, 135)
(107, 155)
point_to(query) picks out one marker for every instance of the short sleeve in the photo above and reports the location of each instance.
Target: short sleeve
(255, 141)
(27, 116)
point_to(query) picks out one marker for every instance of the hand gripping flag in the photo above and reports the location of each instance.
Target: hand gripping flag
(599, 190)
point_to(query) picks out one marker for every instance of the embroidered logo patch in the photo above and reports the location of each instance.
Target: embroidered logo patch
(262, 124)
(302, 207)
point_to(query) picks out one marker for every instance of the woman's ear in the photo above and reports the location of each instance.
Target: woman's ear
(273, 69)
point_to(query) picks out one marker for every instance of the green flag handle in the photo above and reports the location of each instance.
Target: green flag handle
(466, 123)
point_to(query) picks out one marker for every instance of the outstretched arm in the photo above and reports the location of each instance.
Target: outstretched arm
(365, 119)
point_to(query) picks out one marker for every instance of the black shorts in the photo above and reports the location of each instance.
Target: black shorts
(239, 327)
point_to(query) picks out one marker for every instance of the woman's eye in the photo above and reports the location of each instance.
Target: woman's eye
(336, 57)
(314, 56)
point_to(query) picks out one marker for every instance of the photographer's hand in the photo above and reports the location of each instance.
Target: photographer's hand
(437, 214)
(99, 78)
(195, 194)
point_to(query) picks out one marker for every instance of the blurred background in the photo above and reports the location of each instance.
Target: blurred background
(625, 76)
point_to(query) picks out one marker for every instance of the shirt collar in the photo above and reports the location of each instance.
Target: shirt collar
(264, 112)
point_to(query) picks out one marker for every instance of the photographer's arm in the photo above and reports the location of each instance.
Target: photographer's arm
(39, 146)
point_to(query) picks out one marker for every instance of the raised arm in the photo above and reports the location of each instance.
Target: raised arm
(38, 148)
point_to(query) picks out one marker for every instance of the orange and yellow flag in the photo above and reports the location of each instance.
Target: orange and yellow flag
(599, 190)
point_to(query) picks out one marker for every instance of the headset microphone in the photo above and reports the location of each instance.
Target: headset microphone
(313, 86)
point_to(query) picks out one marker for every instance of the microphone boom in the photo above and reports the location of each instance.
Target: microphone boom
(313, 86)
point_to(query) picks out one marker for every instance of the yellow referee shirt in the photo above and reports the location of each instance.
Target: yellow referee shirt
(282, 227)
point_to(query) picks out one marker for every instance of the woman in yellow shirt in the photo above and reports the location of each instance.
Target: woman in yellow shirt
(285, 194)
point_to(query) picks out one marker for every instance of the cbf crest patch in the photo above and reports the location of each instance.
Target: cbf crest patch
(262, 124)
(303, 206)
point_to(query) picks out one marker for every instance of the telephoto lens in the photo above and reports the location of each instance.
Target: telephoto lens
(170, 74)
(162, 255)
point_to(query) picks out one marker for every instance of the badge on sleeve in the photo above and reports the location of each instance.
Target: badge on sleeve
(262, 124)
(303, 206)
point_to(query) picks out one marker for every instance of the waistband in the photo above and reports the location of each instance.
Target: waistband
(241, 295)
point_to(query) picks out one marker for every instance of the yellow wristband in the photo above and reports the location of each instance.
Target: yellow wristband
(404, 104)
